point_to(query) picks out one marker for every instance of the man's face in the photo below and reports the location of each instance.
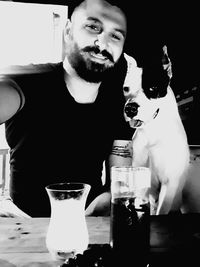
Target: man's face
(95, 39)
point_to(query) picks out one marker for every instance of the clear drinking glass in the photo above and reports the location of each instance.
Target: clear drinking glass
(67, 232)
(130, 214)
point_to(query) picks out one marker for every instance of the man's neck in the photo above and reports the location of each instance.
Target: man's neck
(80, 90)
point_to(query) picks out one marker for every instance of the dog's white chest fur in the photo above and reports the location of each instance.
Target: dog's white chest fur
(161, 145)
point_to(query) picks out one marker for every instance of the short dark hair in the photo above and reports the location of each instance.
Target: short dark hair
(125, 7)
(72, 4)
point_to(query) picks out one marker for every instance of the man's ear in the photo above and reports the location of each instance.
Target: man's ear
(67, 30)
(65, 35)
(166, 62)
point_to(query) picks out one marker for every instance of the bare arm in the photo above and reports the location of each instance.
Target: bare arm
(101, 204)
(9, 209)
(11, 99)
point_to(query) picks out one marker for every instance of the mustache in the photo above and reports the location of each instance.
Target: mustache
(96, 50)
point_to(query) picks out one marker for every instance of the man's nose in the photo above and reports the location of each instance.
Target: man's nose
(131, 109)
(102, 41)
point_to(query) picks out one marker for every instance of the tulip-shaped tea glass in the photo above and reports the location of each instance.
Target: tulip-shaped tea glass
(67, 233)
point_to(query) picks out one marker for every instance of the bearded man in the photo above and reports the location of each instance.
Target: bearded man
(61, 119)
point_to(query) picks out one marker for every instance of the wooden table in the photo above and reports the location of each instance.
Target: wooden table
(22, 241)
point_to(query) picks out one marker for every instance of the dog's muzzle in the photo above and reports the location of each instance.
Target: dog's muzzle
(131, 109)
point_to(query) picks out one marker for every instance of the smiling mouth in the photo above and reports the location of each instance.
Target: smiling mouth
(98, 57)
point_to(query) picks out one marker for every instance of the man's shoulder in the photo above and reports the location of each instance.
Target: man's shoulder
(15, 70)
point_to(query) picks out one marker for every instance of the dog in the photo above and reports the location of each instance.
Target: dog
(159, 140)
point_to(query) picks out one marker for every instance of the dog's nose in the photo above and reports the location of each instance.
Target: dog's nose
(131, 109)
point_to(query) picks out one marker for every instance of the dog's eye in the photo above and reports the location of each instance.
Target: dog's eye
(154, 82)
(152, 89)
(153, 92)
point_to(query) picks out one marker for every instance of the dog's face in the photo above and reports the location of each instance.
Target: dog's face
(145, 88)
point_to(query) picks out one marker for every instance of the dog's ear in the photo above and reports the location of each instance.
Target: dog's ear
(131, 62)
(166, 62)
(133, 76)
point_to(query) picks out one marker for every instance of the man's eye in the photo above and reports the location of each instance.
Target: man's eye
(116, 37)
(93, 28)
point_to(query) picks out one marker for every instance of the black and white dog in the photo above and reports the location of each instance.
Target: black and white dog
(159, 141)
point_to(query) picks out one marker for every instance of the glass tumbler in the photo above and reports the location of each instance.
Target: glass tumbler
(130, 214)
(67, 232)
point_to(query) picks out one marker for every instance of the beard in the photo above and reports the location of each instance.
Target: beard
(87, 69)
